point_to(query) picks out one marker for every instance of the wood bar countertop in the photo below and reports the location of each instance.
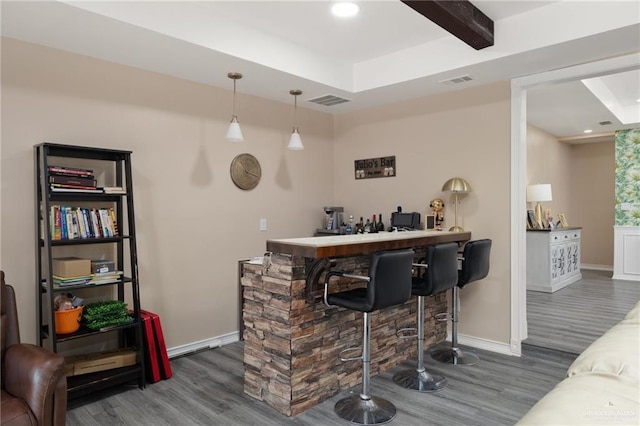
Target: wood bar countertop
(346, 245)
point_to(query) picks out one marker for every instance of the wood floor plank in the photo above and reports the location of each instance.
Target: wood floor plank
(572, 318)
(207, 389)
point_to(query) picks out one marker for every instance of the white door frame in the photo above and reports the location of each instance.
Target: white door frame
(519, 87)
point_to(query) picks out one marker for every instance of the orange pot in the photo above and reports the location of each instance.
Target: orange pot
(68, 321)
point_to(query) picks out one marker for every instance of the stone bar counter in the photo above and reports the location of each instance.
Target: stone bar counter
(293, 341)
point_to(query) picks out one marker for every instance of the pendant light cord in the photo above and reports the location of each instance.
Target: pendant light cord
(295, 111)
(233, 113)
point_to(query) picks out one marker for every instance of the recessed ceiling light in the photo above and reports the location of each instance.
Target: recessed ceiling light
(588, 131)
(638, 100)
(345, 9)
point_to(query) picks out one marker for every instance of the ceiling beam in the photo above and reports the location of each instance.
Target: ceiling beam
(460, 18)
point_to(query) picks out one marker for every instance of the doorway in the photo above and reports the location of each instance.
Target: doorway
(519, 89)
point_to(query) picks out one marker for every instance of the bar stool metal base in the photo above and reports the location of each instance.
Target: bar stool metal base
(359, 411)
(420, 381)
(454, 356)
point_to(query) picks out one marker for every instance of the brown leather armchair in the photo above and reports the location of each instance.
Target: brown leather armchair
(34, 387)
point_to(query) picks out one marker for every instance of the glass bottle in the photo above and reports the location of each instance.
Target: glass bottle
(367, 226)
(380, 223)
(374, 225)
(349, 229)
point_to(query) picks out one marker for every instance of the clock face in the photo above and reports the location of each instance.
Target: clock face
(245, 171)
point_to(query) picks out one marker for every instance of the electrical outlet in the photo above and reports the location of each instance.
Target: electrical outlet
(263, 224)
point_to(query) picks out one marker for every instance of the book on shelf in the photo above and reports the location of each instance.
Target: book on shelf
(59, 281)
(114, 190)
(114, 221)
(105, 221)
(104, 277)
(92, 279)
(69, 171)
(75, 189)
(68, 223)
(95, 223)
(73, 180)
(55, 223)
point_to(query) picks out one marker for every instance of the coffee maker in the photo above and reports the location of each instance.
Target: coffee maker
(332, 222)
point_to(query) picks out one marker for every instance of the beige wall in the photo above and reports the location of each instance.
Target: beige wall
(593, 200)
(582, 177)
(549, 161)
(193, 224)
(464, 133)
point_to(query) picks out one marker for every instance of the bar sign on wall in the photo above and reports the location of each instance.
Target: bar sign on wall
(375, 167)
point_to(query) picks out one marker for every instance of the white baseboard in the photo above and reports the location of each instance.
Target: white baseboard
(596, 267)
(626, 277)
(225, 339)
(484, 344)
(210, 343)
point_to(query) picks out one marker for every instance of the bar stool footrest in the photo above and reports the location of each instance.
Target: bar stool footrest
(443, 316)
(403, 333)
(350, 358)
(372, 411)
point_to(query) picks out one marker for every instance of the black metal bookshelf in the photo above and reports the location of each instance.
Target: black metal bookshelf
(122, 247)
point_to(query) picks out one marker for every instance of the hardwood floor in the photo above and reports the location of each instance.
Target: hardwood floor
(207, 389)
(573, 317)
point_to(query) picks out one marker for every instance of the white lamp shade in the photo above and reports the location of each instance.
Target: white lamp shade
(295, 143)
(540, 192)
(234, 134)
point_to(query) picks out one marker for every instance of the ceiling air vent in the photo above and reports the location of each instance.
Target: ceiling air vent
(329, 100)
(604, 123)
(457, 80)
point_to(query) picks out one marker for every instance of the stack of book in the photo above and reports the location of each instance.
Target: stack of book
(59, 281)
(68, 222)
(105, 278)
(91, 279)
(71, 179)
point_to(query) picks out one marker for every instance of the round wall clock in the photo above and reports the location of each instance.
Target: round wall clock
(245, 171)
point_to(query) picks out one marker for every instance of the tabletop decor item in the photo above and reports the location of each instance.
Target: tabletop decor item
(535, 194)
(456, 186)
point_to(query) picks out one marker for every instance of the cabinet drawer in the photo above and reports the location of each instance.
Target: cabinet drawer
(564, 236)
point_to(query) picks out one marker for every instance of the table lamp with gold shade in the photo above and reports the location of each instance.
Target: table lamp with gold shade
(456, 186)
(535, 194)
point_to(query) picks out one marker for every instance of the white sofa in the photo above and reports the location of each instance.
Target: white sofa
(602, 386)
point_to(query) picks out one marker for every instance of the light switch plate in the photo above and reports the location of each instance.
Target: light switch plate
(263, 224)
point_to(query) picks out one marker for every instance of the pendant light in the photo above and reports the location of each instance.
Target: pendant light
(234, 134)
(295, 143)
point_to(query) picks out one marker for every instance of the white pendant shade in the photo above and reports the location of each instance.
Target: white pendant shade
(295, 142)
(234, 133)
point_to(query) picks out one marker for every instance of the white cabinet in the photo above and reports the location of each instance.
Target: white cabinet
(553, 259)
(626, 253)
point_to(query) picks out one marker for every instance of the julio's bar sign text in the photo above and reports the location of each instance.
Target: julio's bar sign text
(375, 167)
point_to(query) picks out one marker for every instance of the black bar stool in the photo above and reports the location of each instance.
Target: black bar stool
(441, 275)
(389, 283)
(475, 266)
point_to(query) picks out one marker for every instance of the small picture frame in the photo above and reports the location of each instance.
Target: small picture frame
(563, 220)
(531, 221)
(430, 221)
